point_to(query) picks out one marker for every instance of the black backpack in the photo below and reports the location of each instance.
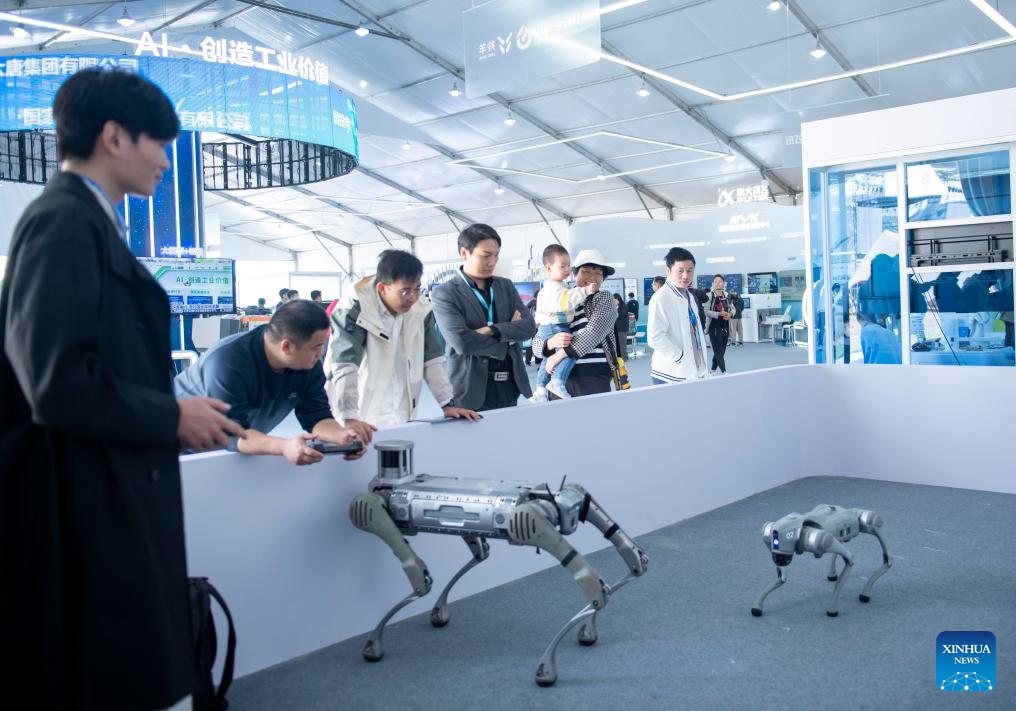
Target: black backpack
(206, 697)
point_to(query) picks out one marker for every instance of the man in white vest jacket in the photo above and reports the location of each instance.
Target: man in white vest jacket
(384, 344)
(674, 329)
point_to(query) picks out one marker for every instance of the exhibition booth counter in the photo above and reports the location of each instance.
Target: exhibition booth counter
(910, 233)
(278, 542)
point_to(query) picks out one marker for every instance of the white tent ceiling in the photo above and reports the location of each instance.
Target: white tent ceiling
(412, 128)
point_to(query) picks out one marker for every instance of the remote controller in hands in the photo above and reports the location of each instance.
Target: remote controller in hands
(333, 448)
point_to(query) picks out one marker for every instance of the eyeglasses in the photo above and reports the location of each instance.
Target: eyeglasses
(406, 293)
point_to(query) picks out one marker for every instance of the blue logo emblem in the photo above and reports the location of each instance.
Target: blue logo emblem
(965, 661)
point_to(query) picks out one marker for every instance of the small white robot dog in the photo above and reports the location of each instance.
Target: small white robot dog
(403, 504)
(824, 529)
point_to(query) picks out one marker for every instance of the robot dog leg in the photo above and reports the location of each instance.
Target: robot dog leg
(871, 522)
(588, 510)
(481, 551)
(532, 524)
(781, 578)
(633, 556)
(370, 513)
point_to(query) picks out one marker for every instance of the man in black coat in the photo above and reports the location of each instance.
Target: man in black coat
(621, 327)
(94, 610)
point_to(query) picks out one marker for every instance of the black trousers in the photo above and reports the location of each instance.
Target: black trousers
(588, 379)
(500, 393)
(718, 340)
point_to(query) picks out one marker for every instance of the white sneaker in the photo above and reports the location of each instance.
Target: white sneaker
(539, 396)
(558, 388)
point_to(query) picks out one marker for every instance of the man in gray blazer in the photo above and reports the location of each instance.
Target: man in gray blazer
(483, 321)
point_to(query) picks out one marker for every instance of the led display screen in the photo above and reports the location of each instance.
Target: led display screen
(527, 290)
(195, 286)
(224, 98)
(763, 283)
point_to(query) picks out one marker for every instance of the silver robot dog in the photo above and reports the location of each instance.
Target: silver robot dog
(402, 504)
(824, 529)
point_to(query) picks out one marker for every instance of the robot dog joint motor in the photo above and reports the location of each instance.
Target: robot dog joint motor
(401, 504)
(822, 530)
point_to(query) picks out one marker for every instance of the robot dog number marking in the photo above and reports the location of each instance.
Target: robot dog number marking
(822, 530)
(402, 504)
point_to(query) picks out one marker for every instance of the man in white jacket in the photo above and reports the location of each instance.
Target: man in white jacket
(674, 329)
(384, 344)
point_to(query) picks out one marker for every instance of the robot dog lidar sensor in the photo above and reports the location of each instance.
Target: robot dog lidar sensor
(401, 503)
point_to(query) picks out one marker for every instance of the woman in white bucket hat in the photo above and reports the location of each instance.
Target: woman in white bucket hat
(592, 324)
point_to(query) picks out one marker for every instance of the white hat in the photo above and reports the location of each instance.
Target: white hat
(593, 257)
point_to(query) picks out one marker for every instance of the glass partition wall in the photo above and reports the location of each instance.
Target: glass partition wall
(937, 230)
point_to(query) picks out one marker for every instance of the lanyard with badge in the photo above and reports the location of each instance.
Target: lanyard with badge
(696, 339)
(499, 376)
(108, 207)
(483, 302)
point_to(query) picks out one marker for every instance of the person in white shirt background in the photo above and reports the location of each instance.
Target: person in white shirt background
(674, 329)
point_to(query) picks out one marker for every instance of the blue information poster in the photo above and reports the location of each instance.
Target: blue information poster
(647, 290)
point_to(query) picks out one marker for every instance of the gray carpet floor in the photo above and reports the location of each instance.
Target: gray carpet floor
(682, 636)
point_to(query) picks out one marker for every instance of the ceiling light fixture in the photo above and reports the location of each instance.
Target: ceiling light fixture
(484, 162)
(643, 91)
(509, 119)
(498, 190)
(454, 91)
(406, 145)
(125, 19)
(361, 31)
(819, 50)
(363, 83)
(774, 6)
(20, 32)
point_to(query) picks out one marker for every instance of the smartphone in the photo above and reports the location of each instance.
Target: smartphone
(434, 420)
(332, 448)
(439, 419)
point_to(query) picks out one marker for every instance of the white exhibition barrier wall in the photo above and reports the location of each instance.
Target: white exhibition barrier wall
(936, 425)
(276, 539)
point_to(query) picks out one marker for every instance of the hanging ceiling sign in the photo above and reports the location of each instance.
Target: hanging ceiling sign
(509, 41)
(214, 93)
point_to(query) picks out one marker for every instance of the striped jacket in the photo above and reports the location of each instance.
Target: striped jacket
(592, 324)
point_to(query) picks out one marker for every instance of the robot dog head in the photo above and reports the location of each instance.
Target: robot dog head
(781, 550)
